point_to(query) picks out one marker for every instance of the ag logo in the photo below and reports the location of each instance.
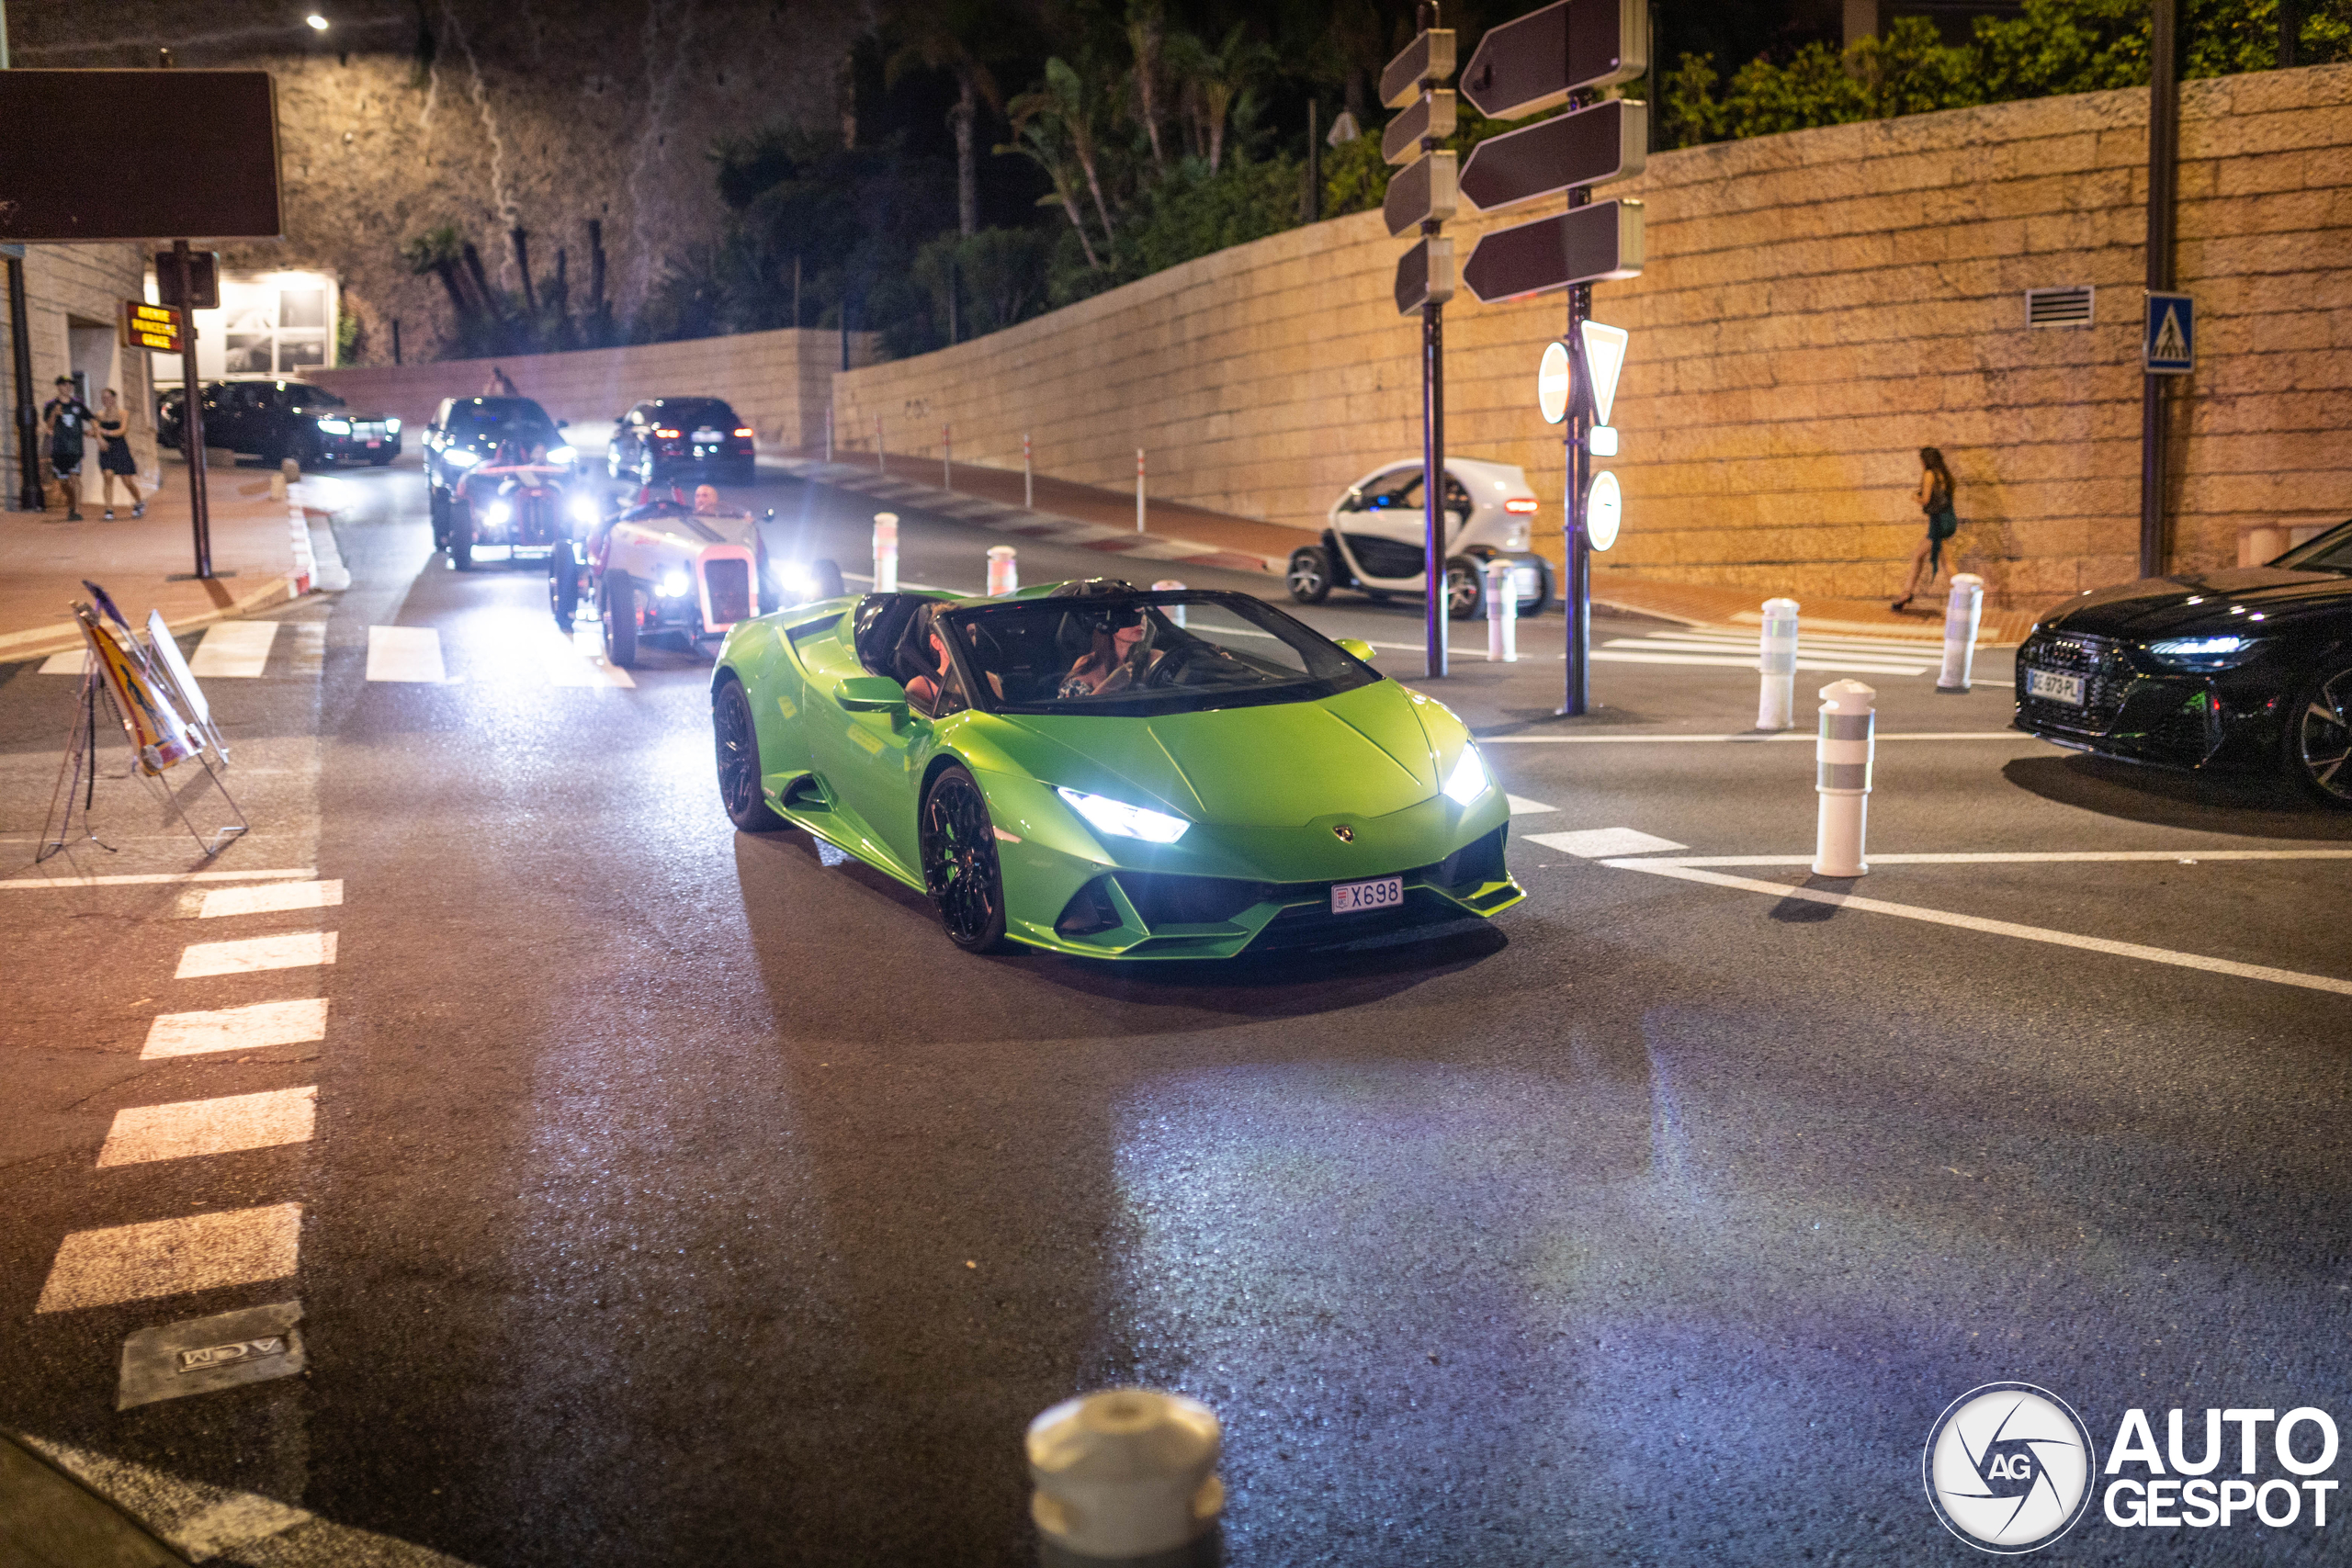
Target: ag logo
(2008, 1467)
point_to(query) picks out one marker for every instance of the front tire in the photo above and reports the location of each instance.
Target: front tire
(461, 535)
(959, 867)
(437, 506)
(1309, 575)
(618, 608)
(2318, 739)
(563, 584)
(739, 761)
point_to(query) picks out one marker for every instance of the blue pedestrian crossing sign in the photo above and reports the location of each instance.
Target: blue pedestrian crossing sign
(2169, 346)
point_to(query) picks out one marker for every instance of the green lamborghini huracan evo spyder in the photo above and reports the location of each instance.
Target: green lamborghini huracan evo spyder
(1112, 772)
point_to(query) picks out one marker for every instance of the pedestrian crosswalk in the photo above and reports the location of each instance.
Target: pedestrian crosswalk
(1704, 649)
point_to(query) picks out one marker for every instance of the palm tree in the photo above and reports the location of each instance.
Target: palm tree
(1219, 79)
(934, 37)
(1038, 138)
(1068, 112)
(1147, 36)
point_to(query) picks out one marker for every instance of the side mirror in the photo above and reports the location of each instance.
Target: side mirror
(563, 425)
(870, 693)
(1357, 647)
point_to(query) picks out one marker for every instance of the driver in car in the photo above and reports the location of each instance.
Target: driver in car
(1121, 657)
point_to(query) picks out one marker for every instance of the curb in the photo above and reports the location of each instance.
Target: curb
(39, 642)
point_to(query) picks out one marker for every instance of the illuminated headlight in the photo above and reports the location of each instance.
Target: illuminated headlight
(335, 426)
(674, 585)
(561, 453)
(2221, 652)
(1107, 815)
(458, 457)
(584, 510)
(497, 512)
(1468, 780)
(793, 577)
(391, 426)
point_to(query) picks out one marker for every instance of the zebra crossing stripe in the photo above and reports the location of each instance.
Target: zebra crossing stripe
(173, 1257)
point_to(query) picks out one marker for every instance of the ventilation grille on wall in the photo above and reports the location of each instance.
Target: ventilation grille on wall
(2058, 307)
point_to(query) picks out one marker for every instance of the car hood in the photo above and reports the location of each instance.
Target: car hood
(1364, 751)
(2162, 606)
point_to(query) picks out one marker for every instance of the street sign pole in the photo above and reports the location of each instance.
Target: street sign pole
(200, 511)
(2163, 158)
(1422, 195)
(1576, 592)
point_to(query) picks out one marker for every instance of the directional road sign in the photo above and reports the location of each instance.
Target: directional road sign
(1584, 245)
(1604, 357)
(1539, 60)
(1591, 146)
(2169, 345)
(1419, 192)
(1430, 55)
(1425, 275)
(1401, 142)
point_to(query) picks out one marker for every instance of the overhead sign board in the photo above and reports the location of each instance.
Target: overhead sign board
(1555, 380)
(109, 155)
(1584, 245)
(1431, 117)
(156, 328)
(1537, 60)
(1604, 357)
(1420, 192)
(2168, 346)
(1429, 56)
(1425, 275)
(1589, 147)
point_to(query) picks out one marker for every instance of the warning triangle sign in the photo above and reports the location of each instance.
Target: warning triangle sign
(2170, 344)
(1604, 357)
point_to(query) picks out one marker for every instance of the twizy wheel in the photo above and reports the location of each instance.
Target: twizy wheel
(1465, 588)
(1309, 576)
(739, 761)
(617, 606)
(563, 584)
(959, 869)
(2319, 737)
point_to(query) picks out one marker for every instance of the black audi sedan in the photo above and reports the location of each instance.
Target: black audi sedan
(666, 436)
(2226, 671)
(276, 420)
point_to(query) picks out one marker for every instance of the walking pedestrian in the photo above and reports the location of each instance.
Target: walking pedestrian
(115, 461)
(1935, 488)
(65, 420)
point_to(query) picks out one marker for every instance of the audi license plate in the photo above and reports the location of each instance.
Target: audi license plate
(2052, 687)
(706, 437)
(1354, 898)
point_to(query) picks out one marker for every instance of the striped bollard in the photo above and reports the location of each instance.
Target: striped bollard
(886, 552)
(1842, 777)
(1963, 612)
(1502, 612)
(1004, 570)
(1170, 586)
(1126, 1476)
(1776, 708)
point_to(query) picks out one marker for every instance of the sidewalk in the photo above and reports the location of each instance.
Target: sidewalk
(259, 558)
(1105, 520)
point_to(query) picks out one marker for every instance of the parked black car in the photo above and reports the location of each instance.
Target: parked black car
(666, 437)
(2222, 671)
(278, 419)
(468, 431)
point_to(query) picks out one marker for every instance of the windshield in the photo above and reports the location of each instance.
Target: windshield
(1146, 654)
(2331, 551)
(310, 397)
(501, 417)
(692, 411)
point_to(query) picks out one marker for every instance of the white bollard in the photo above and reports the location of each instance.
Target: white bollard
(1502, 612)
(1963, 611)
(886, 552)
(1170, 586)
(1125, 1475)
(1776, 708)
(1004, 570)
(1842, 777)
(1028, 479)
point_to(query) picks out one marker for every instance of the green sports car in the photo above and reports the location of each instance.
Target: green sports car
(1112, 772)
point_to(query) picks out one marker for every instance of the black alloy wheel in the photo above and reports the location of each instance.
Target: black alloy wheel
(739, 761)
(2319, 737)
(1309, 575)
(1465, 588)
(563, 584)
(959, 868)
(617, 607)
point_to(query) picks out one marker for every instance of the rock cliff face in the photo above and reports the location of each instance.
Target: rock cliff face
(485, 115)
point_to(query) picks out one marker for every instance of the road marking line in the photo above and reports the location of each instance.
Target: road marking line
(2025, 857)
(234, 651)
(1731, 662)
(293, 950)
(72, 661)
(1523, 806)
(1893, 648)
(282, 874)
(579, 660)
(1994, 928)
(1805, 737)
(250, 1027)
(405, 653)
(309, 647)
(1592, 843)
(269, 896)
(189, 1129)
(171, 1257)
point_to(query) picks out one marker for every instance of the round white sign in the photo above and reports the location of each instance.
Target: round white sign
(1602, 509)
(1553, 380)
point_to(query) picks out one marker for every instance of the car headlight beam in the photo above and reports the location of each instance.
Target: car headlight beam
(391, 426)
(1116, 817)
(497, 512)
(561, 454)
(335, 426)
(460, 457)
(1468, 780)
(674, 585)
(2218, 652)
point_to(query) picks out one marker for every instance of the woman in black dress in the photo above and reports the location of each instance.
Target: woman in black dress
(115, 461)
(1935, 488)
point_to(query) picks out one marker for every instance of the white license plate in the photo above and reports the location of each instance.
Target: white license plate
(1354, 898)
(707, 436)
(2051, 687)
(375, 443)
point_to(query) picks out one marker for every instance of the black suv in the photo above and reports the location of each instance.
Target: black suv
(665, 436)
(467, 431)
(278, 419)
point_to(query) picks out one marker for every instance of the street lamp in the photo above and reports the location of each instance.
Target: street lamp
(316, 21)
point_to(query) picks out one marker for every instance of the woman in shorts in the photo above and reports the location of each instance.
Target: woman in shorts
(1935, 488)
(115, 461)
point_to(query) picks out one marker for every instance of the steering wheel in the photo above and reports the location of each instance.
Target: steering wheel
(1164, 674)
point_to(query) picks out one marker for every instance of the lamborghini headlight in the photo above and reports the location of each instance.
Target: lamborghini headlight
(1469, 781)
(2222, 652)
(1108, 815)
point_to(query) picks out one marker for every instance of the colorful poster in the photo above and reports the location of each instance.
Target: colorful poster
(158, 734)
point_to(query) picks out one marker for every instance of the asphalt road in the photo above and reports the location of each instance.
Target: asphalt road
(677, 1196)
